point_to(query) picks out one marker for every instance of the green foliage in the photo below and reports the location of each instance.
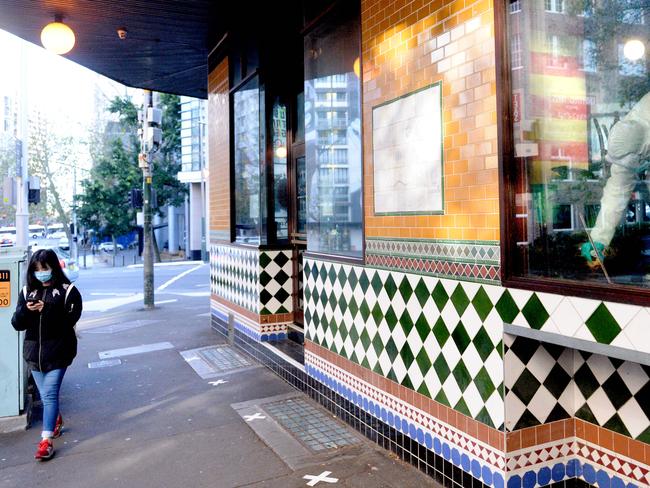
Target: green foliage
(104, 203)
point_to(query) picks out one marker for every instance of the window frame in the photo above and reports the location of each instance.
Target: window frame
(508, 172)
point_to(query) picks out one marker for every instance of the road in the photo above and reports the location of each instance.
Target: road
(109, 289)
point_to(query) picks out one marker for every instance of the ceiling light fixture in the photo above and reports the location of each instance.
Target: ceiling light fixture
(57, 37)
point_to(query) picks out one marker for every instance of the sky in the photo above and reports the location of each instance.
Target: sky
(67, 94)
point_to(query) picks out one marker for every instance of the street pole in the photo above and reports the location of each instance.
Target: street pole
(22, 175)
(145, 164)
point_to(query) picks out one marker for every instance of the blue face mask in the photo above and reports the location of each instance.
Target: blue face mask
(43, 276)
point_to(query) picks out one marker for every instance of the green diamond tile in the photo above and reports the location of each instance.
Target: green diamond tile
(332, 301)
(462, 407)
(482, 303)
(352, 306)
(390, 286)
(342, 277)
(484, 384)
(617, 425)
(391, 350)
(365, 310)
(423, 390)
(441, 332)
(377, 314)
(391, 318)
(535, 313)
(459, 299)
(405, 289)
(507, 307)
(462, 376)
(322, 272)
(331, 275)
(376, 284)
(406, 382)
(365, 363)
(461, 337)
(603, 325)
(585, 413)
(365, 340)
(442, 398)
(424, 361)
(422, 292)
(406, 322)
(352, 279)
(644, 436)
(440, 296)
(441, 368)
(484, 417)
(423, 327)
(483, 343)
(407, 355)
(392, 376)
(364, 283)
(377, 344)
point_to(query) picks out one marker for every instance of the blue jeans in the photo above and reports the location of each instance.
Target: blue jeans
(49, 385)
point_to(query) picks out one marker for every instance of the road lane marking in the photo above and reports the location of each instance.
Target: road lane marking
(129, 351)
(176, 278)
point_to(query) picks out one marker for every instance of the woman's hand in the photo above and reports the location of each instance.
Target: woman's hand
(35, 306)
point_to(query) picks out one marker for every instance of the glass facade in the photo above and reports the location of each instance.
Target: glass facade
(193, 137)
(248, 142)
(333, 135)
(581, 136)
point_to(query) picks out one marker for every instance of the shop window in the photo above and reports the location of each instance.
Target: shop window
(333, 134)
(247, 144)
(515, 6)
(579, 170)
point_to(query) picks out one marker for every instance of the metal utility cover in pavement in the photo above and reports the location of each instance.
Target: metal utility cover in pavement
(216, 360)
(310, 425)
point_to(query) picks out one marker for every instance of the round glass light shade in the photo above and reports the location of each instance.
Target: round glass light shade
(57, 38)
(281, 152)
(633, 49)
(356, 67)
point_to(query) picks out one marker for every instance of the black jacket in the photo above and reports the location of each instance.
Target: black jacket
(50, 339)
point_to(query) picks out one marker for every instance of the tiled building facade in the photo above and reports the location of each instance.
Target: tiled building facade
(419, 341)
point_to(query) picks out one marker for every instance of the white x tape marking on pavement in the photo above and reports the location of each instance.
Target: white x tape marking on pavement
(218, 382)
(321, 477)
(255, 416)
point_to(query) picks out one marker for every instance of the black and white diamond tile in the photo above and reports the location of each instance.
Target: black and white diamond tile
(545, 382)
(275, 284)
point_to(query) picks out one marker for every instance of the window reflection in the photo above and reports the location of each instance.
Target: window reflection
(246, 128)
(581, 128)
(333, 136)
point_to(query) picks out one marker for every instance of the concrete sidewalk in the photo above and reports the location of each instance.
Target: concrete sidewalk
(153, 421)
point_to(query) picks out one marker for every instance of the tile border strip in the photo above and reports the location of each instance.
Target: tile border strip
(260, 332)
(485, 462)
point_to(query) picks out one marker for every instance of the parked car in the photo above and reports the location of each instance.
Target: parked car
(56, 235)
(108, 247)
(7, 240)
(64, 243)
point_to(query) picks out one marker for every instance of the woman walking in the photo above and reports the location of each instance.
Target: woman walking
(48, 308)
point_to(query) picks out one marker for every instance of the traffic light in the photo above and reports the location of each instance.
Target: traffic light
(135, 198)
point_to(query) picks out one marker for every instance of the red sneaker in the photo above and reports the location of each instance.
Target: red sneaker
(58, 427)
(45, 450)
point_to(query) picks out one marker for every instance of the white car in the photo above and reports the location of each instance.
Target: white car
(108, 247)
(56, 235)
(64, 243)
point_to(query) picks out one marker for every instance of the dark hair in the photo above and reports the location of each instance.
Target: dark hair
(45, 257)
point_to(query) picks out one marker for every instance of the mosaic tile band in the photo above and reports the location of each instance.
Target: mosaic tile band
(260, 332)
(467, 260)
(483, 461)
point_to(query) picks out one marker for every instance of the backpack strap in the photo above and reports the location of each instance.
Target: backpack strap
(67, 292)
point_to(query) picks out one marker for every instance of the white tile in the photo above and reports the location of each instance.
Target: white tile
(637, 330)
(493, 325)
(472, 25)
(550, 301)
(472, 360)
(541, 364)
(432, 381)
(508, 340)
(520, 297)
(450, 316)
(399, 369)
(622, 341)
(584, 306)
(451, 353)
(601, 367)
(371, 357)
(584, 333)
(399, 337)
(513, 368)
(566, 360)
(385, 362)
(452, 392)
(470, 288)
(473, 399)
(566, 317)
(458, 32)
(348, 346)
(633, 375)
(568, 399)
(414, 341)
(471, 321)
(633, 417)
(443, 39)
(601, 407)
(494, 366)
(514, 408)
(542, 404)
(521, 320)
(494, 406)
(622, 312)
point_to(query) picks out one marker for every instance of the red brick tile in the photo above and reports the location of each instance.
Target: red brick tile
(528, 437)
(605, 438)
(543, 433)
(513, 441)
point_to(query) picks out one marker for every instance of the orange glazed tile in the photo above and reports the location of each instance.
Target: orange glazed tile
(647, 454)
(636, 450)
(557, 430)
(543, 433)
(513, 441)
(621, 444)
(528, 437)
(605, 438)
